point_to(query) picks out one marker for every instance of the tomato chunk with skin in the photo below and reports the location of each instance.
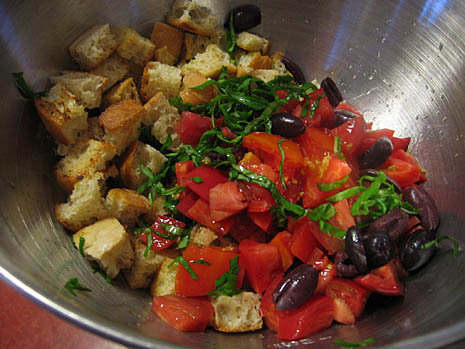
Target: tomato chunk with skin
(313, 316)
(349, 292)
(267, 306)
(383, 280)
(209, 177)
(282, 241)
(351, 133)
(182, 169)
(191, 127)
(218, 260)
(183, 313)
(262, 263)
(200, 212)
(261, 219)
(226, 200)
(189, 198)
(403, 172)
(303, 242)
(159, 242)
(331, 243)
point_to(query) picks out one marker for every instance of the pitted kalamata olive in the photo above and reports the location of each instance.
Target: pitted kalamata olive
(379, 249)
(394, 224)
(245, 17)
(296, 287)
(377, 154)
(331, 91)
(344, 265)
(286, 125)
(423, 202)
(374, 173)
(356, 250)
(294, 69)
(412, 256)
(342, 116)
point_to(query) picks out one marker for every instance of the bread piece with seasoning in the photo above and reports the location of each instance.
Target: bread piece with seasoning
(124, 90)
(194, 44)
(155, 107)
(252, 43)
(114, 69)
(165, 279)
(168, 41)
(159, 77)
(166, 123)
(93, 46)
(107, 243)
(202, 236)
(239, 313)
(249, 61)
(194, 16)
(210, 63)
(133, 46)
(62, 114)
(126, 205)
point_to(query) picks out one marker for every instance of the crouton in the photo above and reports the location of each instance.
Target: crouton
(196, 97)
(169, 41)
(107, 243)
(124, 90)
(247, 62)
(276, 58)
(239, 313)
(121, 123)
(132, 46)
(85, 205)
(202, 236)
(140, 154)
(265, 74)
(94, 131)
(166, 123)
(126, 205)
(159, 77)
(156, 210)
(86, 87)
(194, 44)
(210, 63)
(93, 46)
(193, 16)
(114, 69)
(63, 117)
(156, 106)
(85, 158)
(252, 43)
(165, 279)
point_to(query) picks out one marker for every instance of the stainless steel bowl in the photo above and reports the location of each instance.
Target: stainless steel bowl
(401, 62)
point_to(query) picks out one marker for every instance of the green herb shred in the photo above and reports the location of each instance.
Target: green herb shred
(363, 343)
(82, 241)
(281, 164)
(226, 283)
(438, 240)
(24, 88)
(181, 260)
(74, 285)
(332, 185)
(196, 179)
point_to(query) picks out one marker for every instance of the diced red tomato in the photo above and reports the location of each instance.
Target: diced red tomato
(372, 136)
(243, 228)
(226, 200)
(349, 292)
(403, 172)
(253, 163)
(183, 313)
(209, 177)
(342, 312)
(200, 212)
(325, 276)
(303, 242)
(262, 263)
(405, 156)
(182, 169)
(228, 133)
(349, 107)
(262, 219)
(351, 133)
(267, 307)
(316, 143)
(189, 198)
(318, 259)
(158, 242)
(343, 219)
(258, 197)
(295, 187)
(337, 169)
(331, 243)
(324, 112)
(313, 316)
(268, 143)
(383, 280)
(218, 260)
(191, 127)
(282, 241)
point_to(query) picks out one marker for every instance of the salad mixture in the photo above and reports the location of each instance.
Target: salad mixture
(239, 193)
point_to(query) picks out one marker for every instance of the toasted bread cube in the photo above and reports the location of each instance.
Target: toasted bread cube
(93, 46)
(239, 313)
(94, 131)
(124, 90)
(121, 123)
(194, 44)
(247, 62)
(126, 205)
(63, 117)
(140, 154)
(252, 43)
(193, 16)
(107, 243)
(169, 41)
(132, 46)
(210, 63)
(114, 69)
(85, 158)
(165, 279)
(278, 64)
(158, 77)
(166, 124)
(203, 236)
(265, 74)
(86, 87)
(196, 97)
(156, 106)
(85, 205)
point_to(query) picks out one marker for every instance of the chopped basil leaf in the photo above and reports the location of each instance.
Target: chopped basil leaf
(363, 343)
(231, 40)
(201, 261)
(82, 241)
(24, 88)
(315, 105)
(196, 179)
(281, 164)
(102, 274)
(304, 111)
(438, 240)
(168, 143)
(181, 260)
(345, 194)
(322, 212)
(74, 285)
(332, 185)
(172, 229)
(149, 242)
(184, 241)
(226, 283)
(338, 148)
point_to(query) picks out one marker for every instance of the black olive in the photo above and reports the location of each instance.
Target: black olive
(245, 17)
(296, 287)
(356, 250)
(372, 172)
(344, 265)
(394, 224)
(331, 91)
(412, 255)
(377, 154)
(342, 116)
(423, 202)
(294, 69)
(379, 249)
(286, 125)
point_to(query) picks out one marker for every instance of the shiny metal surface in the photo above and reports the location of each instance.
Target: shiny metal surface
(401, 62)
